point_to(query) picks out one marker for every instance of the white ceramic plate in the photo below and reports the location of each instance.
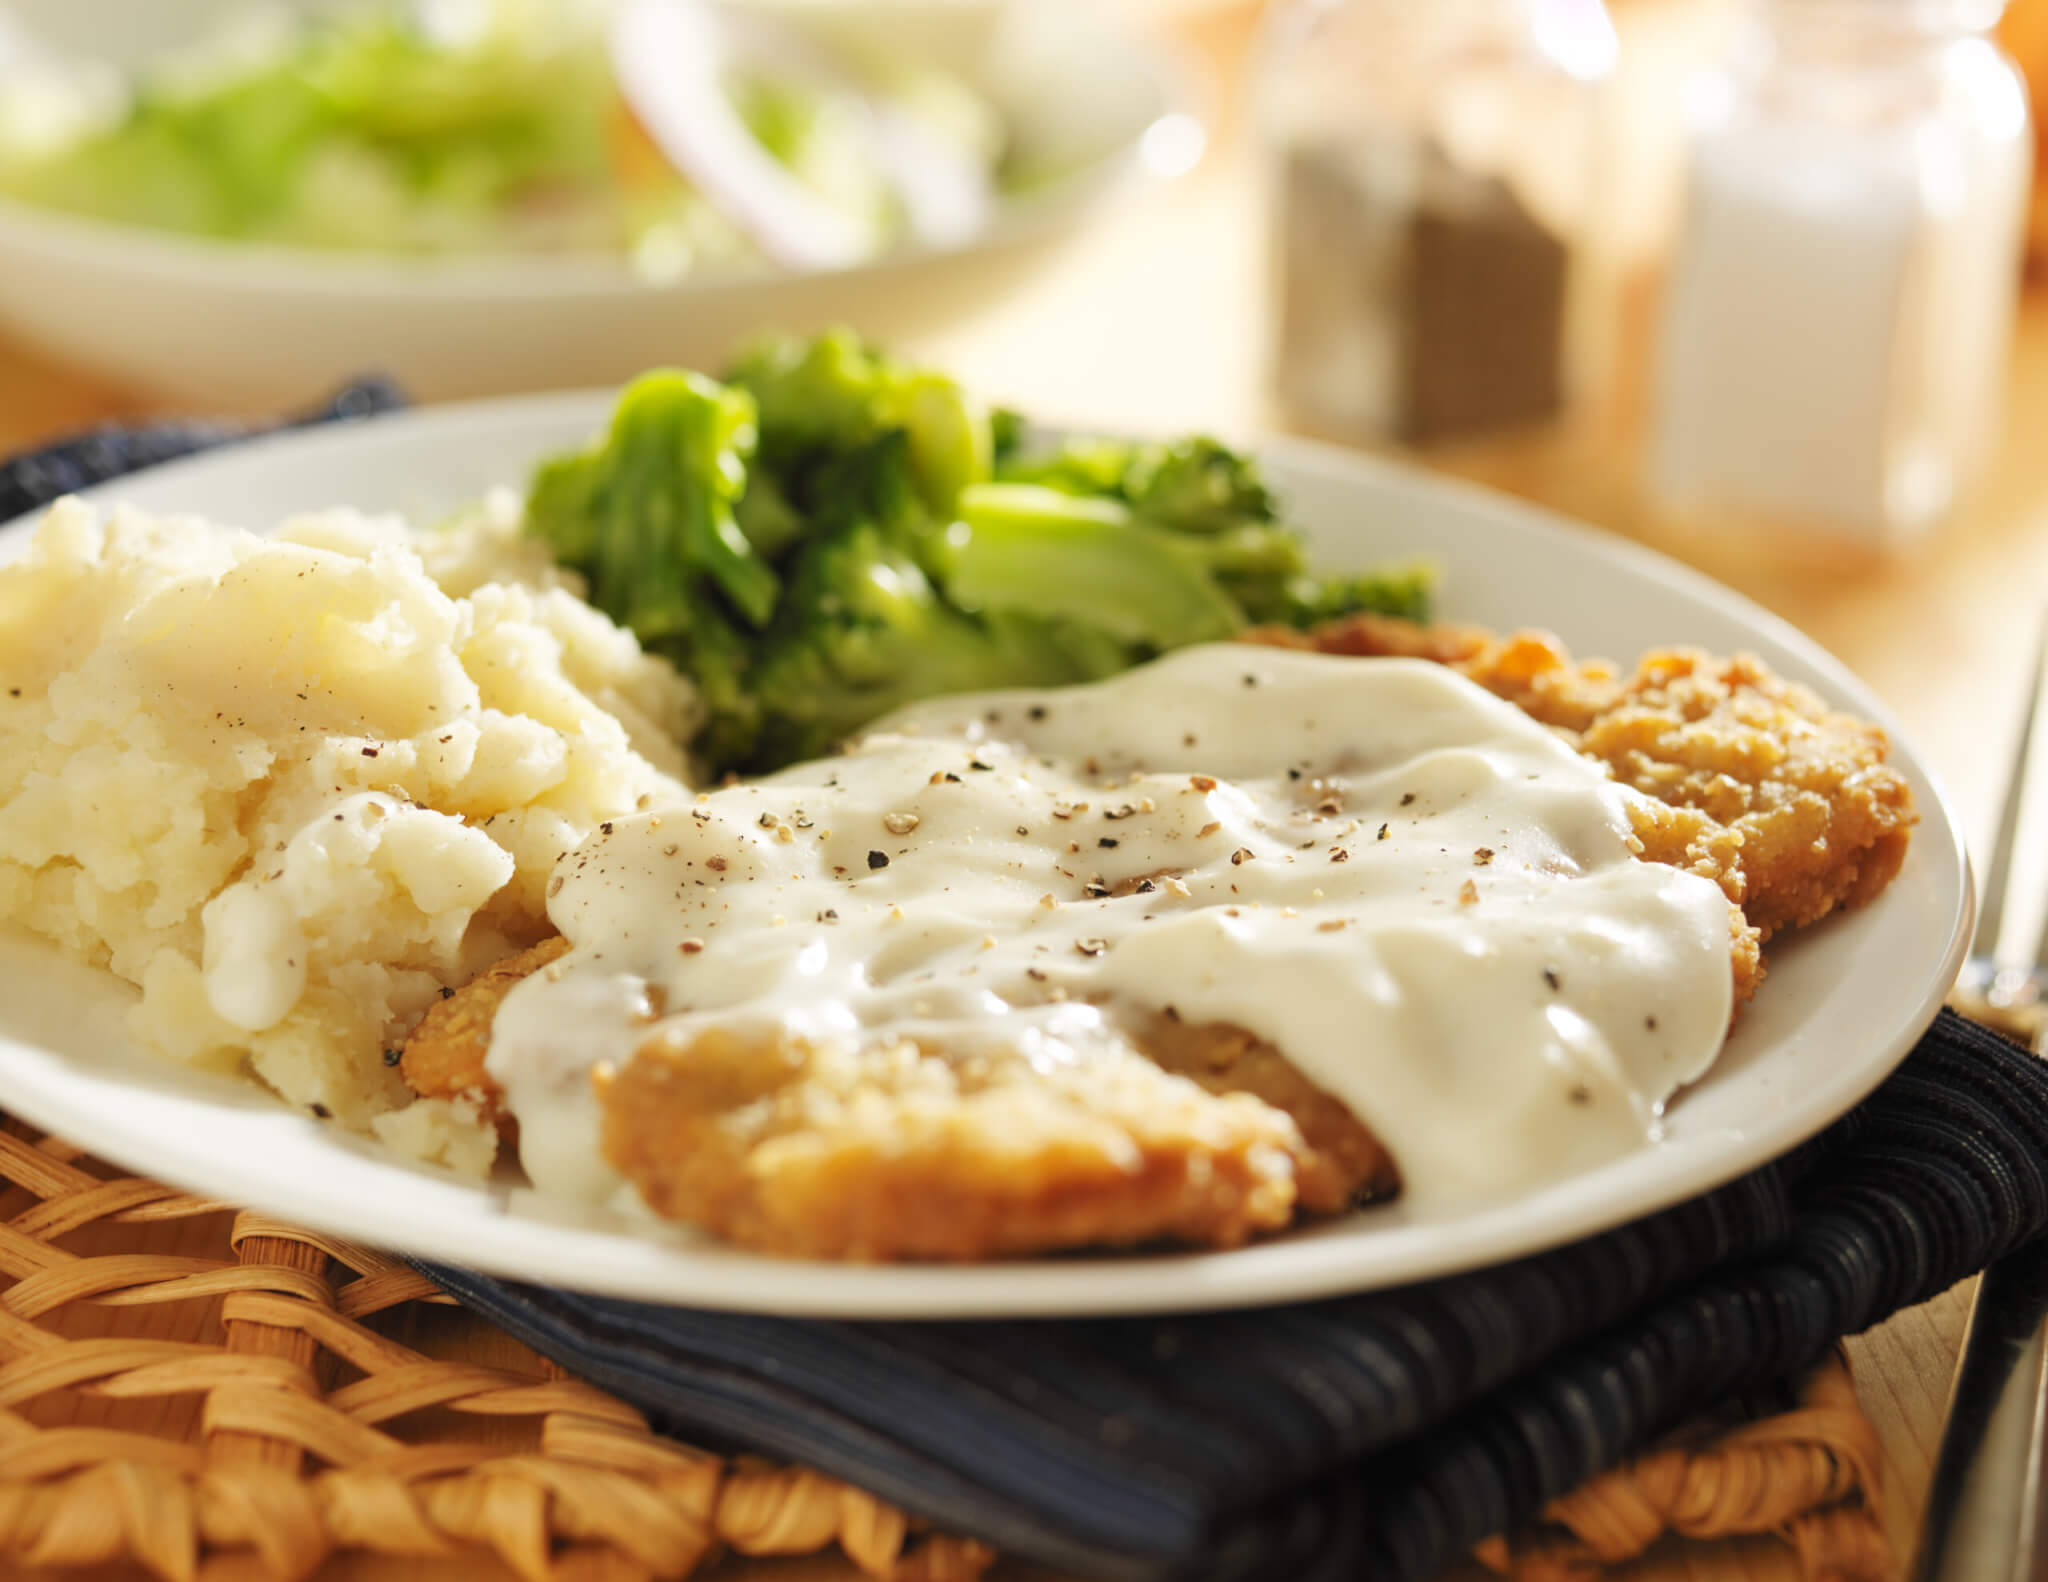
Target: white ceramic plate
(235, 323)
(1843, 1002)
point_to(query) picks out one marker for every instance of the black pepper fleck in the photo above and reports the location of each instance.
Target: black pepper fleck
(1382, 835)
(1108, 841)
(1550, 977)
(1407, 797)
(878, 859)
(393, 1056)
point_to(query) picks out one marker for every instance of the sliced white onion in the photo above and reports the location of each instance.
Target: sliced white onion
(673, 60)
(945, 188)
(669, 57)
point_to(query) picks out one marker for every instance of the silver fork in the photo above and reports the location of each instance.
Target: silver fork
(1987, 1507)
(1993, 989)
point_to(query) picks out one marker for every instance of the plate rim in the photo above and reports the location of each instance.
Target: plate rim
(1056, 1287)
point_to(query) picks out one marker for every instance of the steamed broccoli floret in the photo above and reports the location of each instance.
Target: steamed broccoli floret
(833, 394)
(647, 512)
(820, 394)
(866, 632)
(1193, 485)
(835, 534)
(646, 515)
(1198, 486)
(862, 629)
(1164, 544)
(1407, 591)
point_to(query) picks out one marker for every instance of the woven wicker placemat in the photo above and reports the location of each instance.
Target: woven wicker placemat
(208, 1394)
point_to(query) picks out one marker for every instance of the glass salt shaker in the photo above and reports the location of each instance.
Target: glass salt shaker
(1839, 309)
(1433, 185)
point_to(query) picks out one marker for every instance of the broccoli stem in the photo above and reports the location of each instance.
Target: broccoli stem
(950, 444)
(1032, 550)
(647, 512)
(683, 448)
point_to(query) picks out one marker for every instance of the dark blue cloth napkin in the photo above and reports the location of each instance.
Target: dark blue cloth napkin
(34, 478)
(1379, 1436)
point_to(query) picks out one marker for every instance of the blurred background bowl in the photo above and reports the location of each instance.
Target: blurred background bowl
(242, 323)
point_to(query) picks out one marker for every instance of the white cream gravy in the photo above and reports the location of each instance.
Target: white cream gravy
(1424, 898)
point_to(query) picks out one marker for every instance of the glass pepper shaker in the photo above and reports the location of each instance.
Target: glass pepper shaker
(1433, 179)
(1840, 304)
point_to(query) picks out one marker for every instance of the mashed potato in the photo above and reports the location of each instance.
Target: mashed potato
(293, 788)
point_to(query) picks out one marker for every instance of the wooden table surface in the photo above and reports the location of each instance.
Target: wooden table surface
(1154, 317)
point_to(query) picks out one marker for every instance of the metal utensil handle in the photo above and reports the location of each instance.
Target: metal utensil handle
(1985, 1507)
(1985, 1517)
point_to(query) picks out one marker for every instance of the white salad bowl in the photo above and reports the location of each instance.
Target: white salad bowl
(245, 324)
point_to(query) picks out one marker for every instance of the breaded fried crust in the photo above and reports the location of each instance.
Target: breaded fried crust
(1343, 1161)
(902, 1153)
(444, 1056)
(1202, 1134)
(1756, 783)
(905, 1153)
